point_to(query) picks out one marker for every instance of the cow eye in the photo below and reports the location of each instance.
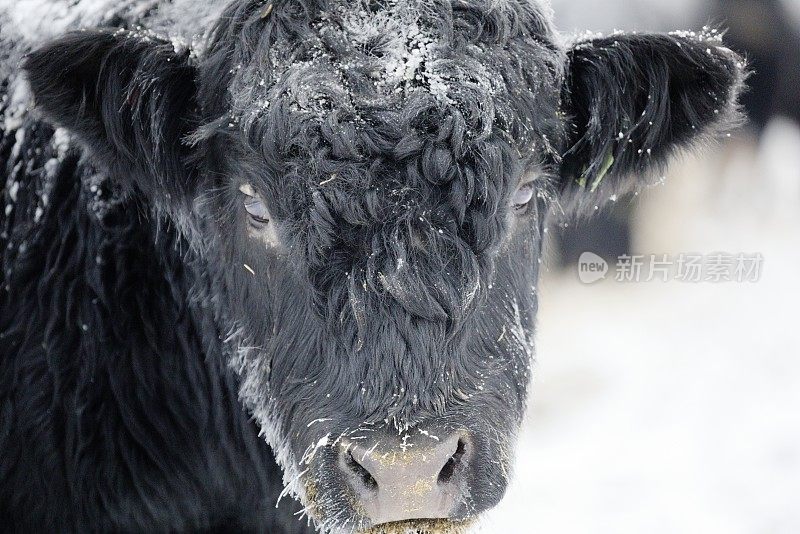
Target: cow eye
(257, 211)
(522, 196)
(254, 205)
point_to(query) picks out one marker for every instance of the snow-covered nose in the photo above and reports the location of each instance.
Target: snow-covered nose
(405, 481)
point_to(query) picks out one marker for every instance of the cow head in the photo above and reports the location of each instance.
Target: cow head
(365, 185)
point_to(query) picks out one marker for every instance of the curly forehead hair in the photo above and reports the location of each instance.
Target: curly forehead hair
(394, 130)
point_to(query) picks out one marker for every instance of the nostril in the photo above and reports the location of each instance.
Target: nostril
(407, 479)
(449, 469)
(360, 472)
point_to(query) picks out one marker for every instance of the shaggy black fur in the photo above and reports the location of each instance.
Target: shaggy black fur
(117, 412)
(392, 291)
(129, 97)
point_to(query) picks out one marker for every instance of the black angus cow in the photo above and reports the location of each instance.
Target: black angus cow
(318, 225)
(764, 31)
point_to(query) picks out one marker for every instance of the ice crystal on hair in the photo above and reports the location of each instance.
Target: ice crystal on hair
(363, 56)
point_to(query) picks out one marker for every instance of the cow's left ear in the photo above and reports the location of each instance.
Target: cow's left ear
(129, 98)
(631, 101)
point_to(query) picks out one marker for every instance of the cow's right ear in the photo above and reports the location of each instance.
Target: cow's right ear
(129, 98)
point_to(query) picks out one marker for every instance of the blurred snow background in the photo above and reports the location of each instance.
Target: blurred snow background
(673, 407)
(640, 15)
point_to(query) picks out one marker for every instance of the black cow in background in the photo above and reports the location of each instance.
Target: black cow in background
(769, 37)
(317, 223)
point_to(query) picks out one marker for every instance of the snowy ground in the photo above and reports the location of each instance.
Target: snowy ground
(672, 407)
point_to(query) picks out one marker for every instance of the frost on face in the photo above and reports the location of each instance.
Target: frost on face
(251, 363)
(15, 105)
(364, 56)
(403, 47)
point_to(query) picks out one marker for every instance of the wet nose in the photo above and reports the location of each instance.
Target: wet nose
(399, 482)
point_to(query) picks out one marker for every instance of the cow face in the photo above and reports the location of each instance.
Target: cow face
(365, 186)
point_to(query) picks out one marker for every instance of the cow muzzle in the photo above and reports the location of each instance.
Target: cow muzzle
(395, 479)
